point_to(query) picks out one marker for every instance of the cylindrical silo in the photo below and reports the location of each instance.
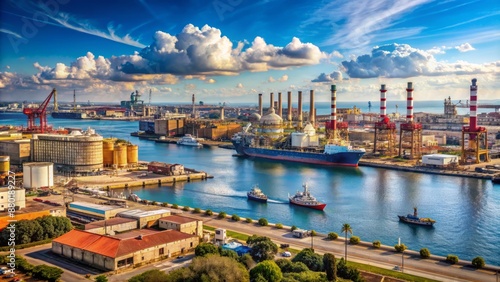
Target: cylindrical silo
(38, 175)
(132, 155)
(4, 165)
(108, 147)
(120, 155)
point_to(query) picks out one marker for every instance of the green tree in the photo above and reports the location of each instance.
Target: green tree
(262, 248)
(400, 248)
(354, 240)
(101, 278)
(45, 272)
(222, 215)
(376, 244)
(346, 228)
(452, 259)
(312, 260)
(204, 249)
(425, 253)
(228, 253)
(329, 265)
(209, 212)
(332, 236)
(263, 222)
(288, 266)
(268, 269)
(235, 217)
(151, 275)
(478, 262)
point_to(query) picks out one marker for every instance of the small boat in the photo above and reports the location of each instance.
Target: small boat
(189, 140)
(496, 179)
(256, 195)
(304, 199)
(414, 219)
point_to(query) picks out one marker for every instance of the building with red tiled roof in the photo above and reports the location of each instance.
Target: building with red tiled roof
(111, 253)
(182, 223)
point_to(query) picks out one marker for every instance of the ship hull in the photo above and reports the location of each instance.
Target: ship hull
(319, 207)
(256, 199)
(416, 222)
(338, 159)
(69, 115)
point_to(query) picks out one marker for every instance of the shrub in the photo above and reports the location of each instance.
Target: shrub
(425, 253)
(235, 217)
(186, 208)
(101, 278)
(175, 206)
(45, 272)
(478, 262)
(332, 236)
(400, 248)
(452, 259)
(165, 204)
(376, 244)
(354, 240)
(263, 222)
(153, 203)
(313, 233)
(209, 212)
(222, 215)
(249, 220)
(293, 228)
(196, 210)
(278, 226)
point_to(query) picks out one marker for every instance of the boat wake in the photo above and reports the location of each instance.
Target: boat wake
(276, 201)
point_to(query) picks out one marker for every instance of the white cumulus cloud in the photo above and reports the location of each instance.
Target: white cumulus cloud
(466, 47)
(323, 77)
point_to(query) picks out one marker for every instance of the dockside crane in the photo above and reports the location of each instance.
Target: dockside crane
(39, 113)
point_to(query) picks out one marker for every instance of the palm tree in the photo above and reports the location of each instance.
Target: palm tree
(346, 228)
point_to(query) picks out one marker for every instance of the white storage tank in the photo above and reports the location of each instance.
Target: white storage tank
(37, 175)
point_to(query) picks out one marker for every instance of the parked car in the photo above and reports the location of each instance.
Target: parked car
(286, 254)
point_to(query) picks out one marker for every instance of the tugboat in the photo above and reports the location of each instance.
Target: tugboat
(304, 199)
(189, 140)
(414, 219)
(256, 195)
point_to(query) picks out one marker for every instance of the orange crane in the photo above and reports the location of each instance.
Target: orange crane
(39, 113)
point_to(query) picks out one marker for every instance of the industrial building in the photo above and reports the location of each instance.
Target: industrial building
(88, 211)
(111, 226)
(18, 199)
(19, 150)
(166, 169)
(75, 152)
(183, 224)
(145, 218)
(439, 160)
(38, 175)
(112, 253)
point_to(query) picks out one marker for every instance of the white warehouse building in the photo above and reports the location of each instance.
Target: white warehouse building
(439, 160)
(38, 175)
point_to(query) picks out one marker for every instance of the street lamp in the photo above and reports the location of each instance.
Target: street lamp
(312, 244)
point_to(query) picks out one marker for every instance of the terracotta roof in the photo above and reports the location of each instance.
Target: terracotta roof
(178, 219)
(109, 222)
(115, 247)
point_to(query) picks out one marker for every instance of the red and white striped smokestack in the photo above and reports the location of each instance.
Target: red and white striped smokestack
(409, 102)
(473, 106)
(333, 114)
(260, 104)
(383, 106)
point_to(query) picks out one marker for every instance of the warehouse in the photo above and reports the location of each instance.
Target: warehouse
(92, 211)
(183, 224)
(145, 218)
(111, 226)
(439, 160)
(112, 253)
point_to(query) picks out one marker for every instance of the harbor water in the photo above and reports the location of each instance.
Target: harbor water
(467, 210)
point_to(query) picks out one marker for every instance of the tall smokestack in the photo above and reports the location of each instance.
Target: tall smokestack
(260, 104)
(194, 109)
(289, 117)
(473, 106)
(409, 102)
(271, 100)
(382, 102)
(222, 113)
(300, 109)
(333, 114)
(280, 110)
(312, 118)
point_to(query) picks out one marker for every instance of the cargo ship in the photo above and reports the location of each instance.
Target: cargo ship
(69, 115)
(305, 199)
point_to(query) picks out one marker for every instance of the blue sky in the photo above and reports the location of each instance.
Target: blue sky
(231, 50)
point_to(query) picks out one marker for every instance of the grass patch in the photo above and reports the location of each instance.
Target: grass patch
(232, 234)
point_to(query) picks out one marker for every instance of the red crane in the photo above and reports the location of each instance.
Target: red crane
(39, 113)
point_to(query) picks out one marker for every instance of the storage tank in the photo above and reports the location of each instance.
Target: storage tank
(132, 154)
(37, 175)
(120, 155)
(4, 165)
(108, 147)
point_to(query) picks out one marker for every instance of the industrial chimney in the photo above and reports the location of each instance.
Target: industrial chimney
(289, 117)
(300, 109)
(271, 100)
(312, 118)
(473, 107)
(382, 102)
(193, 114)
(333, 114)
(260, 104)
(280, 110)
(409, 103)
